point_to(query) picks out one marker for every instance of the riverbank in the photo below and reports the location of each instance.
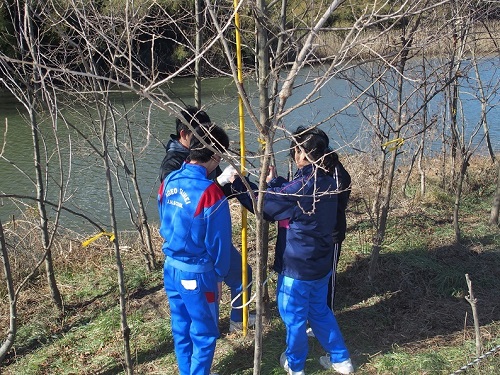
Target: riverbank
(412, 318)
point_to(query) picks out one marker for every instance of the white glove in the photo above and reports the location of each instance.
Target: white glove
(227, 175)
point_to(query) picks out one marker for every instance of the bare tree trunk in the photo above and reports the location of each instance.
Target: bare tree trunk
(382, 222)
(266, 299)
(484, 106)
(458, 197)
(443, 152)
(377, 202)
(141, 223)
(40, 187)
(197, 63)
(421, 169)
(143, 227)
(459, 37)
(119, 265)
(422, 145)
(263, 68)
(11, 334)
(262, 240)
(409, 173)
(386, 199)
(40, 194)
(495, 207)
(462, 142)
(453, 126)
(473, 303)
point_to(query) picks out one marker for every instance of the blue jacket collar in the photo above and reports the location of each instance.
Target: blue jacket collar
(305, 171)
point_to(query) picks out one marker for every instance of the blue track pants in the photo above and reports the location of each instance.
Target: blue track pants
(300, 301)
(330, 300)
(194, 313)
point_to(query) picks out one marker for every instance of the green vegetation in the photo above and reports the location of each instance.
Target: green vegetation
(171, 39)
(412, 319)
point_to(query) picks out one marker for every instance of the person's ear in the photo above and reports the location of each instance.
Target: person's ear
(185, 137)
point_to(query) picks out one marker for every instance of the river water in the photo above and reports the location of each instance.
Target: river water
(86, 190)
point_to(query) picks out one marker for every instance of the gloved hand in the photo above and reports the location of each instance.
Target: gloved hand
(227, 175)
(271, 175)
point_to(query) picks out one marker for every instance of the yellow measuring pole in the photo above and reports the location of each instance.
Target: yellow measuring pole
(244, 250)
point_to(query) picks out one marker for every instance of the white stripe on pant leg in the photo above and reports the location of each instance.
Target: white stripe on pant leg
(334, 273)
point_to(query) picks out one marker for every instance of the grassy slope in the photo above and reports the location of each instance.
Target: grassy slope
(411, 319)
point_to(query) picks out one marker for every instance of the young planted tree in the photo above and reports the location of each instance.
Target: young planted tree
(465, 134)
(488, 90)
(394, 92)
(12, 331)
(25, 80)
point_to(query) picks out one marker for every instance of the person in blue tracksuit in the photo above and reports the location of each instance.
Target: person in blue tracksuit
(177, 151)
(305, 209)
(195, 224)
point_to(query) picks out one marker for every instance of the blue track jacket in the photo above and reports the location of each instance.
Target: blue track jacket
(194, 221)
(306, 211)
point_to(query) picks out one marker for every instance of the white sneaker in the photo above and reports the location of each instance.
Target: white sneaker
(284, 364)
(345, 367)
(238, 326)
(310, 332)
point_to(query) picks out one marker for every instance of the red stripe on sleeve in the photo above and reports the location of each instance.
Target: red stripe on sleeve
(210, 196)
(160, 191)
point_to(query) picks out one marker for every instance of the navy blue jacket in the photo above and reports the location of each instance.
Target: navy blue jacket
(344, 186)
(176, 155)
(306, 211)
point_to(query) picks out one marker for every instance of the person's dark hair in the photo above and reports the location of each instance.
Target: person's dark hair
(315, 143)
(194, 116)
(330, 161)
(212, 135)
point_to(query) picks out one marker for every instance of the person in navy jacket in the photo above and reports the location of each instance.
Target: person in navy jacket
(305, 209)
(195, 224)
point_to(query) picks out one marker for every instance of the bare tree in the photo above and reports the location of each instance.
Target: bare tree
(465, 135)
(266, 131)
(495, 208)
(11, 334)
(392, 103)
(13, 292)
(121, 279)
(29, 72)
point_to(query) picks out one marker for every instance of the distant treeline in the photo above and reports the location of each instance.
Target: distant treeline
(170, 30)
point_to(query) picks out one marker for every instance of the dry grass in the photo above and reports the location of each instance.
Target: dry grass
(414, 308)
